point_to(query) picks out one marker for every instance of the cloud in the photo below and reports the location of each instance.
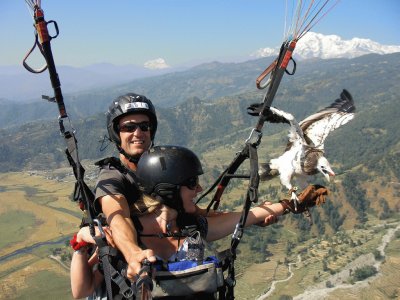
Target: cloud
(265, 52)
(158, 63)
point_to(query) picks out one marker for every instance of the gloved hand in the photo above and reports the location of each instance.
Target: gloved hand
(312, 195)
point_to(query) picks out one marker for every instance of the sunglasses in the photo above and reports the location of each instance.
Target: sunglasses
(132, 127)
(191, 183)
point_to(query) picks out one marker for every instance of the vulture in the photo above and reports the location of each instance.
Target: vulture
(304, 153)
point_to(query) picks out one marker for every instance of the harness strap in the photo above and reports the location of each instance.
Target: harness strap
(225, 177)
(82, 192)
(185, 232)
(285, 55)
(144, 282)
(227, 259)
(106, 252)
(251, 197)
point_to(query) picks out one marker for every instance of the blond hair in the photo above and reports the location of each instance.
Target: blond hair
(144, 205)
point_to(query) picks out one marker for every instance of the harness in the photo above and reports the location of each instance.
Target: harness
(191, 274)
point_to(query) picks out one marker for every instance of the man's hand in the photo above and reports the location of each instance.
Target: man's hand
(135, 262)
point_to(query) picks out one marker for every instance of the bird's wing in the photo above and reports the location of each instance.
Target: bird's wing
(295, 132)
(318, 126)
(275, 115)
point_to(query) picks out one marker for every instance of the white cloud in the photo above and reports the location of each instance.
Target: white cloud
(265, 52)
(158, 63)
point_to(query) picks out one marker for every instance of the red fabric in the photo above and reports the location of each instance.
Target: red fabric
(75, 245)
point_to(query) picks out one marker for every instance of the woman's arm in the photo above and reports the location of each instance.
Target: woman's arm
(82, 276)
(220, 226)
(224, 224)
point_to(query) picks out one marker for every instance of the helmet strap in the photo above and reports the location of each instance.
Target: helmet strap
(170, 194)
(131, 158)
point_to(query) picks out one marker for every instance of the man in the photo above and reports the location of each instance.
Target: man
(132, 125)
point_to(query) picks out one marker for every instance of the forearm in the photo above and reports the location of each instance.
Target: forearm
(82, 279)
(259, 213)
(124, 235)
(224, 224)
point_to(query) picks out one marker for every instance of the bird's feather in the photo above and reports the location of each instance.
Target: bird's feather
(317, 127)
(304, 153)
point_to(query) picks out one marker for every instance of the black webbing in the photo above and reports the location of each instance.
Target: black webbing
(111, 274)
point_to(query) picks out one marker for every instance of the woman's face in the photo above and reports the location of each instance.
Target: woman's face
(189, 195)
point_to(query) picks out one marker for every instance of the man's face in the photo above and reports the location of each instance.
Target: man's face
(134, 141)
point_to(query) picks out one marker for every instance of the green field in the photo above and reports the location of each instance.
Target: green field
(36, 208)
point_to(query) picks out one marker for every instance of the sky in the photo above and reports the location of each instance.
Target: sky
(179, 31)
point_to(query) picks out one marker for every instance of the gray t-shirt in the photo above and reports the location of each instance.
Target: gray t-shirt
(115, 179)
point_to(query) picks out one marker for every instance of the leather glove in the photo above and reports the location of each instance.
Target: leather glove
(312, 195)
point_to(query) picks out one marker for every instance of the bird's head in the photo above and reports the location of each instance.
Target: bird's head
(325, 168)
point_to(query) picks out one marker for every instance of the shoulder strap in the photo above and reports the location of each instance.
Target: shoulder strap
(112, 161)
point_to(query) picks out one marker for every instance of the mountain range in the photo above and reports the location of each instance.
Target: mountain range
(316, 45)
(18, 85)
(211, 110)
(204, 108)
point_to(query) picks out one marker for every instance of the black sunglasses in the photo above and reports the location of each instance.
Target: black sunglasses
(192, 183)
(132, 127)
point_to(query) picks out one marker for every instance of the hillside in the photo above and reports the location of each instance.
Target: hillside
(203, 124)
(365, 153)
(364, 201)
(314, 79)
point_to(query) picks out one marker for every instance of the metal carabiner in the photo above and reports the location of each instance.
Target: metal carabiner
(100, 227)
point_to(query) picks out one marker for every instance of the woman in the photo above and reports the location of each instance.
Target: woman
(165, 217)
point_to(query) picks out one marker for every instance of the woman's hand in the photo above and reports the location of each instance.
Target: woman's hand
(269, 220)
(270, 216)
(84, 235)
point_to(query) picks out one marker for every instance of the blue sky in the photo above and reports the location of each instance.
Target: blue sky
(179, 31)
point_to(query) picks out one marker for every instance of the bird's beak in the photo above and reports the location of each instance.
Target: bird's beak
(328, 175)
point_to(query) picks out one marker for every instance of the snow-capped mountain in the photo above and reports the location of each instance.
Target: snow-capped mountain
(316, 45)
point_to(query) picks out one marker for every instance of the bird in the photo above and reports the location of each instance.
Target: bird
(304, 153)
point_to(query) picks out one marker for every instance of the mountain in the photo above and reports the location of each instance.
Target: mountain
(18, 85)
(212, 81)
(316, 45)
(203, 123)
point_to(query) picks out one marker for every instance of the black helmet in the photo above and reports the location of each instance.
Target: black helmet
(163, 169)
(129, 104)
